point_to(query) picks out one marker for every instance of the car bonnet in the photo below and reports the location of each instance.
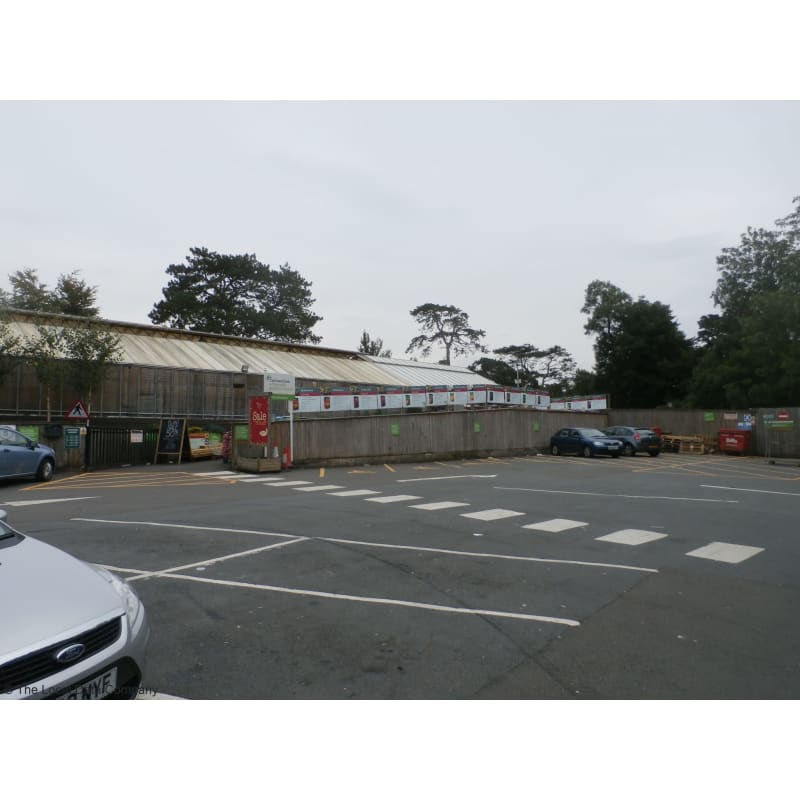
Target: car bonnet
(47, 595)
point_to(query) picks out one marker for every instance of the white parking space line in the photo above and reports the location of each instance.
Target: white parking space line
(211, 561)
(182, 527)
(41, 502)
(729, 553)
(323, 488)
(736, 489)
(385, 601)
(290, 483)
(394, 498)
(492, 514)
(443, 478)
(439, 506)
(605, 494)
(631, 536)
(353, 493)
(501, 556)
(556, 525)
(260, 480)
(219, 472)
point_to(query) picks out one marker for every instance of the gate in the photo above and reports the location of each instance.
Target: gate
(112, 447)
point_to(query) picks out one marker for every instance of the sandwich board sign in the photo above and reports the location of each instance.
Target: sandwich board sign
(78, 411)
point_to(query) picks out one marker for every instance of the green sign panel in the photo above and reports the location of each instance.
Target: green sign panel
(537, 427)
(31, 431)
(241, 433)
(708, 416)
(395, 429)
(780, 424)
(476, 427)
(72, 438)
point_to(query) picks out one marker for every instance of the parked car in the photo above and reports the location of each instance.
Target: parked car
(21, 457)
(636, 440)
(586, 441)
(70, 630)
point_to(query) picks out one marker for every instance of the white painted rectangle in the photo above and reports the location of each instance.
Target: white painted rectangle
(261, 480)
(354, 493)
(290, 483)
(493, 514)
(631, 536)
(723, 551)
(439, 506)
(556, 525)
(393, 498)
(325, 488)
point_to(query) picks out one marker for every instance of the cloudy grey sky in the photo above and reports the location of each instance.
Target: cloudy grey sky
(504, 209)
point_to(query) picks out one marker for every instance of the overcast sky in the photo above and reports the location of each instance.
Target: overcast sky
(504, 209)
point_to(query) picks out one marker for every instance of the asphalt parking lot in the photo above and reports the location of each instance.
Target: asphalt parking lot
(531, 577)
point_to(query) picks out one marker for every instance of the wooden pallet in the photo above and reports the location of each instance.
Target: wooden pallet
(697, 448)
(683, 444)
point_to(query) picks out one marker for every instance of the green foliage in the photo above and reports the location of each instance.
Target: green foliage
(495, 371)
(10, 349)
(642, 358)
(90, 351)
(749, 354)
(445, 326)
(551, 368)
(71, 295)
(237, 295)
(372, 347)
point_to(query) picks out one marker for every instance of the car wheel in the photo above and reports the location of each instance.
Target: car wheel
(588, 452)
(555, 451)
(653, 454)
(45, 471)
(628, 449)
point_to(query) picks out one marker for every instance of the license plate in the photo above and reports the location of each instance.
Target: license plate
(95, 689)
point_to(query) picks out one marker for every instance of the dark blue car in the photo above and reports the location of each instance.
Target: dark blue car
(587, 442)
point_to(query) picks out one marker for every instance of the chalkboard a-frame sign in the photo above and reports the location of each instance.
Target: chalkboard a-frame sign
(170, 438)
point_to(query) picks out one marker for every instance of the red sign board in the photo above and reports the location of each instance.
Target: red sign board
(783, 415)
(259, 420)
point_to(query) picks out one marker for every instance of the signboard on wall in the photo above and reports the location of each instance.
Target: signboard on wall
(280, 385)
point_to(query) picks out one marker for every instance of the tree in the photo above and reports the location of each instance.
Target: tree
(372, 347)
(46, 353)
(237, 295)
(28, 292)
(71, 295)
(74, 296)
(551, 368)
(642, 358)
(11, 349)
(748, 354)
(90, 351)
(495, 371)
(448, 327)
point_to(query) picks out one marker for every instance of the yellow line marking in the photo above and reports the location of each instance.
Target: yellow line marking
(391, 469)
(361, 472)
(425, 468)
(322, 472)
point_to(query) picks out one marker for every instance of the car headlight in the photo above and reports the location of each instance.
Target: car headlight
(130, 599)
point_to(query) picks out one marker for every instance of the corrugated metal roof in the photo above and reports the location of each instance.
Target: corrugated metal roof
(160, 347)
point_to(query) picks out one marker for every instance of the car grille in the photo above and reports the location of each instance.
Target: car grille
(42, 663)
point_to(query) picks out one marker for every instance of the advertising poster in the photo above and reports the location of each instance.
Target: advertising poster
(259, 420)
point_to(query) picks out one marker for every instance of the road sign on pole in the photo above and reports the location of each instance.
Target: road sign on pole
(78, 411)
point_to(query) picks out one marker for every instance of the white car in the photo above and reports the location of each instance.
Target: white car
(71, 630)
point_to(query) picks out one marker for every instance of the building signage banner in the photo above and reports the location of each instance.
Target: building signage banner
(259, 420)
(280, 385)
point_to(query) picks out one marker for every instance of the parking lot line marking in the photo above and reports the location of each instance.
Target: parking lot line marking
(324, 488)
(177, 525)
(260, 480)
(438, 506)
(221, 472)
(40, 502)
(353, 493)
(759, 491)
(393, 498)
(289, 483)
(208, 562)
(631, 536)
(122, 569)
(604, 494)
(385, 601)
(729, 553)
(390, 468)
(443, 478)
(556, 525)
(492, 514)
(501, 556)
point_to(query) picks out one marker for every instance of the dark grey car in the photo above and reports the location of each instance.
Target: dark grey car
(635, 440)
